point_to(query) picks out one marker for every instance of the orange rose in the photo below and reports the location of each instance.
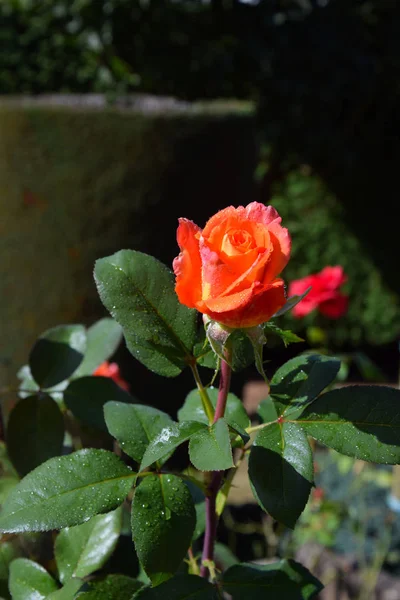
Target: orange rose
(229, 270)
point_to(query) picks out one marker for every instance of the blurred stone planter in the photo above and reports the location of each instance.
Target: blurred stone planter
(80, 179)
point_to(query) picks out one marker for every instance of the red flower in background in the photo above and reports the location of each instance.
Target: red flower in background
(325, 294)
(112, 371)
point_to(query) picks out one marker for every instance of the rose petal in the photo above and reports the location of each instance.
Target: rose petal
(332, 277)
(255, 211)
(336, 307)
(252, 307)
(187, 266)
(280, 238)
(221, 280)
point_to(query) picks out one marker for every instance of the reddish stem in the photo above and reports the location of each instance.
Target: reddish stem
(224, 383)
(216, 477)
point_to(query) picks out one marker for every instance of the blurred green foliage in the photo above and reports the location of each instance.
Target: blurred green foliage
(61, 46)
(321, 236)
(324, 74)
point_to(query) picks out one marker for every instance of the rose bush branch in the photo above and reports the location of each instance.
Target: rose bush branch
(216, 477)
(230, 273)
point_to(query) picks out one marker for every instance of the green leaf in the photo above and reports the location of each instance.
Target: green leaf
(203, 352)
(267, 411)
(237, 429)
(192, 409)
(359, 421)
(9, 551)
(181, 587)
(291, 303)
(83, 549)
(281, 471)
(27, 385)
(287, 336)
(168, 439)
(57, 354)
(103, 338)
(163, 522)
(139, 292)
(299, 381)
(68, 591)
(35, 432)
(257, 338)
(30, 581)
(134, 426)
(210, 449)
(226, 342)
(286, 580)
(85, 397)
(66, 491)
(368, 369)
(224, 556)
(113, 587)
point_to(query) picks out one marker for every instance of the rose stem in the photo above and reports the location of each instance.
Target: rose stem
(216, 476)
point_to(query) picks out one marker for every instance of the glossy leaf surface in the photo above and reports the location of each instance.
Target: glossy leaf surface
(299, 381)
(139, 292)
(281, 471)
(66, 491)
(362, 421)
(135, 426)
(168, 439)
(163, 522)
(30, 581)
(103, 338)
(210, 449)
(192, 409)
(112, 587)
(83, 549)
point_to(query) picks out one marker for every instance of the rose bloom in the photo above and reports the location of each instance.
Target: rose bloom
(324, 296)
(111, 370)
(229, 270)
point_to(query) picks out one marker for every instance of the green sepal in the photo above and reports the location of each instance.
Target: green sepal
(291, 303)
(287, 336)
